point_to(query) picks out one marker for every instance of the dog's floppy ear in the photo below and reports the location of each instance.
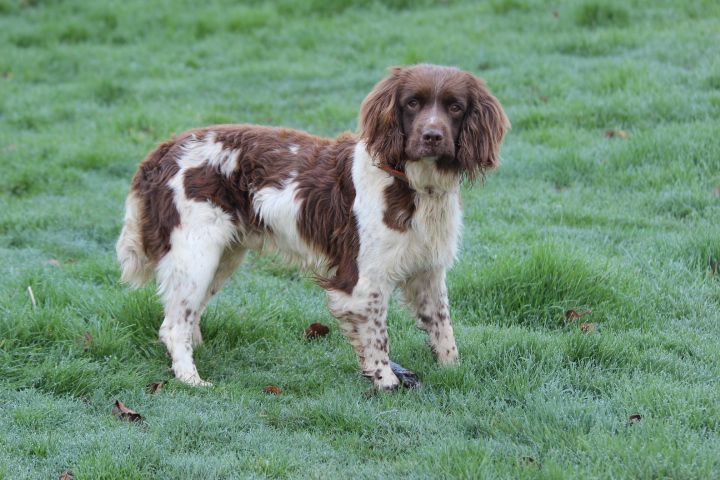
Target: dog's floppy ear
(482, 131)
(379, 122)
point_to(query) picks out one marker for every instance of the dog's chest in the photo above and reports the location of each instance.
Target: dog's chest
(429, 243)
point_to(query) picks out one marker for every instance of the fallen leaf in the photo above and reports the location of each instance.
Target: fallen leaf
(53, 262)
(125, 413)
(556, 14)
(316, 330)
(717, 190)
(634, 418)
(528, 461)
(66, 475)
(272, 389)
(155, 386)
(571, 314)
(587, 327)
(616, 133)
(714, 266)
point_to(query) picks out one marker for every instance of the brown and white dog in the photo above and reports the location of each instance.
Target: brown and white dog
(368, 213)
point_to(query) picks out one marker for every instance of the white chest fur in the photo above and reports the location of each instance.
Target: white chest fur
(432, 239)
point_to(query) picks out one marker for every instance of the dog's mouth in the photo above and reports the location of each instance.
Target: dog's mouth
(433, 155)
(429, 153)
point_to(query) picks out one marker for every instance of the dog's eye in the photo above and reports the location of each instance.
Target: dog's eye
(413, 103)
(456, 108)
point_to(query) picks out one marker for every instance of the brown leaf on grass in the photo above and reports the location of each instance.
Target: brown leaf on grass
(587, 327)
(717, 190)
(528, 461)
(66, 475)
(572, 314)
(53, 262)
(272, 389)
(125, 413)
(316, 330)
(616, 133)
(634, 418)
(155, 386)
(714, 267)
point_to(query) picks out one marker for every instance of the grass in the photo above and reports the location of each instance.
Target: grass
(626, 226)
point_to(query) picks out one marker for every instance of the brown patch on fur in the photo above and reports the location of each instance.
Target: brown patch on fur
(324, 184)
(326, 218)
(158, 214)
(263, 160)
(399, 206)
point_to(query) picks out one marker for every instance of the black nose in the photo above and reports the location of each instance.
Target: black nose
(432, 136)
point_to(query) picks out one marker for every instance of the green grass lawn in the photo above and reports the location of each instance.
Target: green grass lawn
(625, 225)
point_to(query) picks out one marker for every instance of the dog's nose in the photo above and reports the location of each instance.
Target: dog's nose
(432, 136)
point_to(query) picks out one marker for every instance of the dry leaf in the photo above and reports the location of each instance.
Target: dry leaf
(316, 330)
(587, 327)
(66, 475)
(717, 190)
(714, 266)
(556, 14)
(125, 413)
(634, 418)
(53, 262)
(155, 386)
(616, 133)
(529, 461)
(272, 389)
(571, 314)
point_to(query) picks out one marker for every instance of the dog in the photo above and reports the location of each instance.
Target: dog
(368, 213)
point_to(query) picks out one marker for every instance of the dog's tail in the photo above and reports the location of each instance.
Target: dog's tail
(135, 266)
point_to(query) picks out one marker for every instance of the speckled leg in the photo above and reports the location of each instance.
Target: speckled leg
(426, 294)
(362, 318)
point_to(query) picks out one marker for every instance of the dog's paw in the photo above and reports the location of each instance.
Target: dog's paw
(383, 379)
(193, 380)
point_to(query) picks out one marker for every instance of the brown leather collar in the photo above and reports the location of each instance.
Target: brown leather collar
(395, 173)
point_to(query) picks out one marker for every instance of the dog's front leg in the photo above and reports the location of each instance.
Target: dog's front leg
(426, 294)
(363, 319)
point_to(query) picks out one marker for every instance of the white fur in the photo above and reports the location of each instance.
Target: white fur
(129, 247)
(279, 209)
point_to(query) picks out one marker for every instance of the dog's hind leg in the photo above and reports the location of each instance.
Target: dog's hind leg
(229, 262)
(184, 276)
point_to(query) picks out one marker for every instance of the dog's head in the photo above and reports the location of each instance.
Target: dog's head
(433, 113)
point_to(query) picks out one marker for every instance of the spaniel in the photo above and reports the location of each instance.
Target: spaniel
(367, 213)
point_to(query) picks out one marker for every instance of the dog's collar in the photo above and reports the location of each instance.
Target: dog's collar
(395, 173)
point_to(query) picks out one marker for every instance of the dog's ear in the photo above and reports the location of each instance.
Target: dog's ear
(482, 130)
(379, 122)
